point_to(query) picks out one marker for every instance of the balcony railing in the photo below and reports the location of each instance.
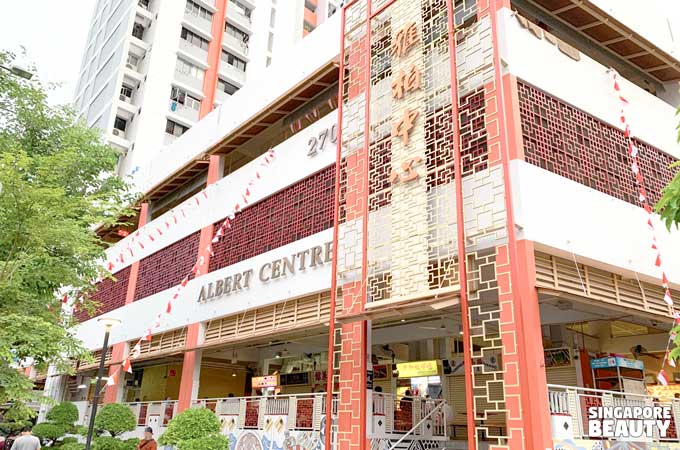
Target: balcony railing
(189, 80)
(235, 43)
(569, 410)
(234, 14)
(199, 22)
(232, 72)
(183, 111)
(196, 52)
(144, 411)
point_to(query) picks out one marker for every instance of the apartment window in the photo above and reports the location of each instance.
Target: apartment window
(197, 10)
(175, 128)
(144, 3)
(126, 91)
(234, 61)
(138, 31)
(194, 39)
(233, 31)
(184, 98)
(133, 60)
(332, 9)
(120, 123)
(189, 69)
(270, 42)
(272, 18)
(308, 26)
(226, 86)
(269, 61)
(241, 8)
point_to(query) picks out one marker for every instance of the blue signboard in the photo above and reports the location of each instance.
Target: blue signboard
(616, 361)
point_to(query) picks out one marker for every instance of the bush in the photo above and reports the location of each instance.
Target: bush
(115, 419)
(107, 443)
(130, 444)
(213, 442)
(65, 413)
(52, 431)
(190, 424)
(69, 440)
(73, 446)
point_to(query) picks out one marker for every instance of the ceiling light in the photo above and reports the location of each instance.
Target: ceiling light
(277, 355)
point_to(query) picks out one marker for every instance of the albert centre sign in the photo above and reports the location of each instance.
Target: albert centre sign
(285, 267)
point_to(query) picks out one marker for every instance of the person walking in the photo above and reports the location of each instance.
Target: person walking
(148, 443)
(26, 441)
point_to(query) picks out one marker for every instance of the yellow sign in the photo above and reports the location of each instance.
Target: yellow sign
(265, 382)
(417, 369)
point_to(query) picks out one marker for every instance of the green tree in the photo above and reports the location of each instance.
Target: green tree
(56, 181)
(16, 417)
(193, 429)
(115, 419)
(65, 413)
(51, 431)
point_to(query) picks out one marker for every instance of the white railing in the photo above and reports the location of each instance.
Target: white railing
(573, 403)
(303, 410)
(154, 413)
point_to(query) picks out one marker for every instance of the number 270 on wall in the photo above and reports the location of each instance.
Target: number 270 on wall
(317, 144)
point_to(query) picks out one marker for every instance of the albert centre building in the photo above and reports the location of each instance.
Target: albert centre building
(417, 229)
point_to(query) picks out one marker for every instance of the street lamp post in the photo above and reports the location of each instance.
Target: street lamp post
(18, 71)
(108, 324)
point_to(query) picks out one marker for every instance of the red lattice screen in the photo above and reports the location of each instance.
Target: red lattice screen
(576, 145)
(109, 294)
(166, 268)
(296, 212)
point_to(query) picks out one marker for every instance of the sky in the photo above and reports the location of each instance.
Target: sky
(54, 34)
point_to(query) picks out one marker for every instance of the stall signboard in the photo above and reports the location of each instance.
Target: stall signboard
(294, 379)
(616, 361)
(417, 369)
(266, 381)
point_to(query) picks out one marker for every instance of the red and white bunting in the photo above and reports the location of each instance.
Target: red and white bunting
(200, 260)
(111, 381)
(633, 152)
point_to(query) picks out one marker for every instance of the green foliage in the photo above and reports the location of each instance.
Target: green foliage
(65, 413)
(56, 181)
(69, 440)
(73, 446)
(115, 419)
(212, 442)
(130, 444)
(191, 424)
(48, 430)
(668, 205)
(16, 417)
(107, 443)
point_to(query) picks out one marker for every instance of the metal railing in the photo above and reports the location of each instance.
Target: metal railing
(165, 410)
(574, 402)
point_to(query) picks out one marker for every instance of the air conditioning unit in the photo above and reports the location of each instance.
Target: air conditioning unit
(116, 132)
(125, 98)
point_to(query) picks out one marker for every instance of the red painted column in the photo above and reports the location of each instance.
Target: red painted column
(214, 54)
(193, 331)
(525, 384)
(118, 352)
(351, 388)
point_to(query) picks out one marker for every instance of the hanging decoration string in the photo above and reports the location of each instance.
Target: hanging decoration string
(633, 151)
(197, 269)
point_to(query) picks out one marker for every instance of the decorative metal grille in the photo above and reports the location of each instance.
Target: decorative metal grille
(109, 295)
(576, 145)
